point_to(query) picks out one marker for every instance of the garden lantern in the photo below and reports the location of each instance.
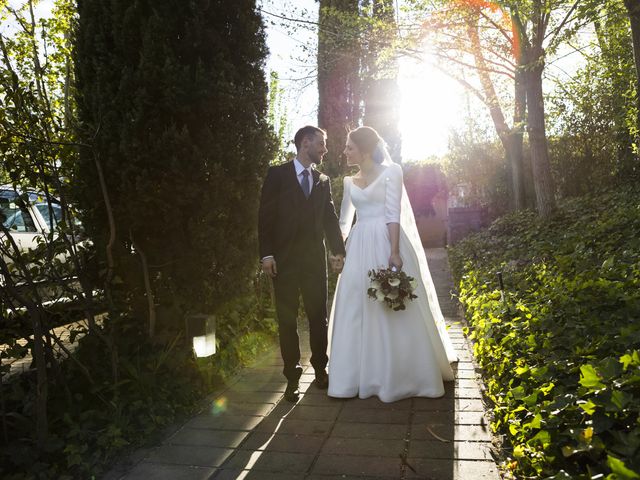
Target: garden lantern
(201, 329)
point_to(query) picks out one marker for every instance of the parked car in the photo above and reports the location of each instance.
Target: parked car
(27, 223)
(29, 219)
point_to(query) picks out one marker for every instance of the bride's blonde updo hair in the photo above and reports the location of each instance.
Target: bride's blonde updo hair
(368, 142)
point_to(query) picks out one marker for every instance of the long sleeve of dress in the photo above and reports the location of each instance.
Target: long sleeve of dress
(393, 197)
(347, 210)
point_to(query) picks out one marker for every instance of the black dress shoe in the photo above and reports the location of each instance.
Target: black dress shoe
(291, 393)
(322, 380)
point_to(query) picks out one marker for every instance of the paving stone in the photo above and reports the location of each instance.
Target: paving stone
(459, 418)
(464, 355)
(369, 430)
(247, 386)
(347, 477)
(451, 432)
(295, 427)
(224, 422)
(356, 465)
(248, 431)
(207, 437)
(263, 376)
(374, 415)
(218, 407)
(375, 402)
(321, 399)
(146, 471)
(282, 442)
(281, 462)
(308, 412)
(231, 474)
(468, 393)
(429, 469)
(465, 366)
(271, 370)
(466, 383)
(381, 447)
(250, 397)
(466, 374)
(189, 455)
(448, 404)
(450, 450)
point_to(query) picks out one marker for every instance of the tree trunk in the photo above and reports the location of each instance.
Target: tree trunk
(338, 77)
(516, 136)
(542, 181)
(633, 7)
(511, 138)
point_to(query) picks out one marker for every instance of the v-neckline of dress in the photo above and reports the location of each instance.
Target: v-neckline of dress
(374, 181)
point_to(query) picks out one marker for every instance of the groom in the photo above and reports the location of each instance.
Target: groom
(296, 213)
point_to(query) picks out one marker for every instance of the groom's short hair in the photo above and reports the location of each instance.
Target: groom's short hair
(306, 132)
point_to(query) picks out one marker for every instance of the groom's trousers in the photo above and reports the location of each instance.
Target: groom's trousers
(309, 280)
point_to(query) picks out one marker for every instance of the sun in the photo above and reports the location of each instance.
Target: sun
(431, 104)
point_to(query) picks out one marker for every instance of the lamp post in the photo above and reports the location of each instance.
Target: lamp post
(201, 330)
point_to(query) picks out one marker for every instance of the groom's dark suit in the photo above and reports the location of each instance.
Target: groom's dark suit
(292, 229)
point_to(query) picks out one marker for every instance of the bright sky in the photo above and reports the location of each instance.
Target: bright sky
(431, 103)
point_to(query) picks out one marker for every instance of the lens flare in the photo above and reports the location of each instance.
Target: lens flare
(219, 406)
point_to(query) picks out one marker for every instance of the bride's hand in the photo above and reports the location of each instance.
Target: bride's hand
(395, 261)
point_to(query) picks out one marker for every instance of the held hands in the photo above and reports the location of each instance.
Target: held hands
(395, 261)
(269, 267)
(337, 262)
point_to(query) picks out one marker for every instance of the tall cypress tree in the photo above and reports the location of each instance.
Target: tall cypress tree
(172, 104)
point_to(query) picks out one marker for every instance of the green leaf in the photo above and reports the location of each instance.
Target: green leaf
(618, 467)
(620, 399)
(543, 438)
(590, 378)
(608, 263)
(632, 359)
(589, 407)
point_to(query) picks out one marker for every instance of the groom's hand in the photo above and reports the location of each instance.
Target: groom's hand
(269, 267)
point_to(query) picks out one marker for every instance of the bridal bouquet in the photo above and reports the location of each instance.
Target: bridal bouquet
(391, 287)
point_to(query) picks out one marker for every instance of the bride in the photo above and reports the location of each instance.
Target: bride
(375, 351)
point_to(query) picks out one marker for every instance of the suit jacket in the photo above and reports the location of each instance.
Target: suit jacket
(280, 214)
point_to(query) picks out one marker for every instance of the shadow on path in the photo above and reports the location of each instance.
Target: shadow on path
(249, 432)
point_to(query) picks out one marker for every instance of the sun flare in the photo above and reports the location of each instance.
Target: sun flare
(431, 105)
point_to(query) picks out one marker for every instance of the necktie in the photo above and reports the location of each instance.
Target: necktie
(305, 183)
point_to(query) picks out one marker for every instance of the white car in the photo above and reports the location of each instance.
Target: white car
(27, 223)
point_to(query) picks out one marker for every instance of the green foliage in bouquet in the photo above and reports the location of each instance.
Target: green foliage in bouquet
(391, 287)
(560, 345)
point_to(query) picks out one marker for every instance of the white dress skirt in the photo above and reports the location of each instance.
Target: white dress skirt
(375, 351)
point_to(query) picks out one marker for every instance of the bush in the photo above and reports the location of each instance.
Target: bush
(93, 418)
(560, 346)
(172, 106)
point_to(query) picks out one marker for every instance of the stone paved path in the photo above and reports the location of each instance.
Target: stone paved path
(249, 432)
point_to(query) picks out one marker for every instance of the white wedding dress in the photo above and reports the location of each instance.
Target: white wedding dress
(375, 351)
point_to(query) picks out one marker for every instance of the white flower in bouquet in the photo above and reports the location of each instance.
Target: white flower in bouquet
(391, 287)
